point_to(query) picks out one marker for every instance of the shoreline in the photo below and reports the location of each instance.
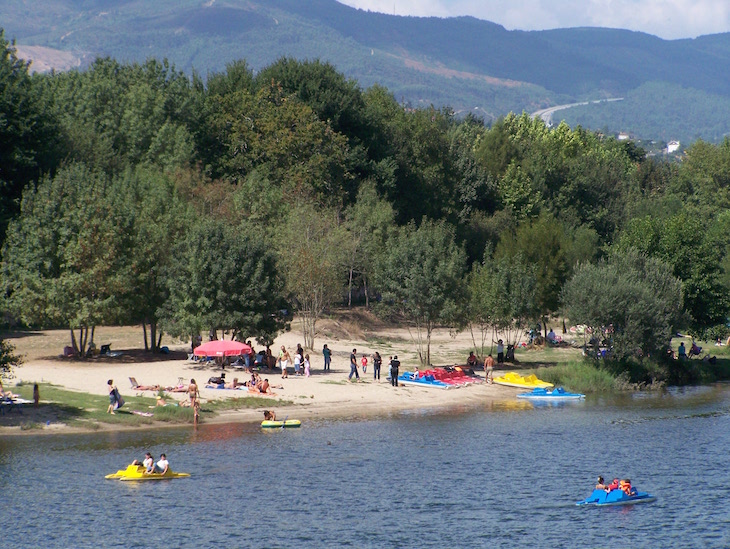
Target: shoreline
(323, 395)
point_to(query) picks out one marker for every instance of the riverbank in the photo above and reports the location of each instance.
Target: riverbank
(323, 394)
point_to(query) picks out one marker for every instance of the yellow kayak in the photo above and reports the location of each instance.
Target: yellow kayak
(513, 379)
(268, 424)
(137, 472)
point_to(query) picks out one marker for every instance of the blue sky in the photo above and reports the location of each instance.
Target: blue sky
(667, 19)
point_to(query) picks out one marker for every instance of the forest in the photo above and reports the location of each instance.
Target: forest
(136, 194)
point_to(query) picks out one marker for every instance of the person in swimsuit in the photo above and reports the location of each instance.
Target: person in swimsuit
(193, 392)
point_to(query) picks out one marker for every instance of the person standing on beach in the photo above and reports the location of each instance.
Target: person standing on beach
(377, 363)
(353, 365)
(194, 393)
(500, 352)
(306, 365)
(327, 354)
(489, 369)
(394, 365)
(284, 358)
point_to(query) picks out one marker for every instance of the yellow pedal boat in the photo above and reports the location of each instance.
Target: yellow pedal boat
(268, 424)
(137, 472)
(513, 379)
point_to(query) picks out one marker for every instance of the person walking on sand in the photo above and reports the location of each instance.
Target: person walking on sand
(284, 358)
(306, 365)
(327, 354)
(364, 362)
(112, 390)
(394, 365)
(353, 366)
(489, 369)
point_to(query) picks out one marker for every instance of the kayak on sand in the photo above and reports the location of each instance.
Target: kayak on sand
(138, 472)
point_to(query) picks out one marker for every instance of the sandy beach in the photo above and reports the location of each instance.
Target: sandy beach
(324, 394)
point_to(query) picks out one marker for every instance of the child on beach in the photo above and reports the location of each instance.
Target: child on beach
(306, 365)
(364, 362)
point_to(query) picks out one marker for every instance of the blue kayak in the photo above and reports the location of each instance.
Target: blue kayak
(540, 393)
(602, 498)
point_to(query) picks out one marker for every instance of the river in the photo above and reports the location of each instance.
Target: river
(506, 476)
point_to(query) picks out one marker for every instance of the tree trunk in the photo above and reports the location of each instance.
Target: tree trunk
(367, 296)
(159, 339)
(153, 337)
(349, 290)
(144, 331)
(74, 343)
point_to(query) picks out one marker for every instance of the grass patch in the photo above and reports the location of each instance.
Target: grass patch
(578, 376)
(89, 411)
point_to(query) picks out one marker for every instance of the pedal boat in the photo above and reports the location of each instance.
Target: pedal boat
(513, 379)
(541, 393)
(287, 424)
(137, 472)
(601, 498)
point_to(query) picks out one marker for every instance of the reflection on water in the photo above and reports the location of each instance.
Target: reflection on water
(506, 474)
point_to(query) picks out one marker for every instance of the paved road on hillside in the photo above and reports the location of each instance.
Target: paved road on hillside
(547, 114)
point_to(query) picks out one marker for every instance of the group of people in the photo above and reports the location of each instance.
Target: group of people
(623, 485)
(377, 360)
(300, 362)
(160, 467)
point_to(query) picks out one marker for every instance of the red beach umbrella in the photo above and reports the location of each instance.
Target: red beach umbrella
(222, 347)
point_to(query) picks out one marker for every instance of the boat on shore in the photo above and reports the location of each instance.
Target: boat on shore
(513, 379)
(138, 472)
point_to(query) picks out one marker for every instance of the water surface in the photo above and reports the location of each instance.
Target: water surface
(505, 475)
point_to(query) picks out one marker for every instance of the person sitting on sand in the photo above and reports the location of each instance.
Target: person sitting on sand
(269, 415)
(263, 387)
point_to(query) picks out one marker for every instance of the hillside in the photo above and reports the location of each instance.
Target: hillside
(465, 63)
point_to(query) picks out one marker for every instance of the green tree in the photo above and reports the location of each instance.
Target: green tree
(694, 248)
(63, 261)
(633, 301)
(223, 278)
(421, 278)
(501, 299)
(368, 222)
(312, 254)
(541, 243)
(28, 144)
(160, 218)
(8, 360)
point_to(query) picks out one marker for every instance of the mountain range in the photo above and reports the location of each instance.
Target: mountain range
(669, 89)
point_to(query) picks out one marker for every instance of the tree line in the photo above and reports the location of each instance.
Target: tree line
(133, 193)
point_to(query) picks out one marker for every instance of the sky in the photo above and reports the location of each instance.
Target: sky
(668, 19)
